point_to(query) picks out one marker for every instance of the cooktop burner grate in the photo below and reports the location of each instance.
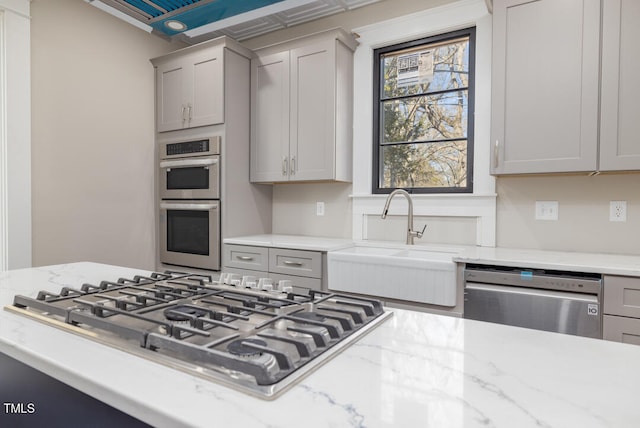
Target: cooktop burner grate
(260, 341)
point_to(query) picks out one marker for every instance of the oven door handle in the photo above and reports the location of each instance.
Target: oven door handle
(190, 207)
(187, 163)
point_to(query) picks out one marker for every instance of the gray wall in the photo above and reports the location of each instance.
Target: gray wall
(583, 215)
(92, 136)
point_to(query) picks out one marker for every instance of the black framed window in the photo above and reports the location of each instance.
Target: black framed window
(423, 115)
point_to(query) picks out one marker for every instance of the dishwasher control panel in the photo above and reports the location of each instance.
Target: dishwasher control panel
(535, 278)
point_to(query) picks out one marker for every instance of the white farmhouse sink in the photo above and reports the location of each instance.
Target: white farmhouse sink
(404, 273)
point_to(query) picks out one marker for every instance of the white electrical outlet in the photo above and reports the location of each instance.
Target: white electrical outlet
(319, 208)
(546, 210)
(618, 211)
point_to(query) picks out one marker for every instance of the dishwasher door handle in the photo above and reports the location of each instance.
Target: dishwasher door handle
(534, 292)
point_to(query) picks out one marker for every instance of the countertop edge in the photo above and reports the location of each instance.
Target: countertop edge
(602, 263)
(605, 264)
(294, 242)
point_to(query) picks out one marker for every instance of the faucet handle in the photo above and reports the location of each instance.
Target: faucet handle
(419, 234)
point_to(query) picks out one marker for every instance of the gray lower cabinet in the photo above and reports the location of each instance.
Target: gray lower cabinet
(621, 321)
(305, 269)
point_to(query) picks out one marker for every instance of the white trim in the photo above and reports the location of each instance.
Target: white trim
(16, 138)
(480, 207)
(247, 16)
(482, 203)
(19, 7)
(118, 14)
(4, 214)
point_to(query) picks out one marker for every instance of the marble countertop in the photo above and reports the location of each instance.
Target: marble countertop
(296, 242)
(612, 264)
(415, 369)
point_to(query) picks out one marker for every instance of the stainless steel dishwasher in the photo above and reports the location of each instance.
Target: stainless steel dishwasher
(564, 302)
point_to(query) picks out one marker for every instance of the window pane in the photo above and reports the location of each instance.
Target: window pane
(426, 69)
(426, 118)
(424, 165)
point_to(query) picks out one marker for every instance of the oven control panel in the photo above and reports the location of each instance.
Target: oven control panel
(204, 146)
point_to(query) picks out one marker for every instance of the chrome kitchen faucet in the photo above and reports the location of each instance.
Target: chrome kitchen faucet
(410, 232)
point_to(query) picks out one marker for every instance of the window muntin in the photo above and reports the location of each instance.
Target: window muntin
(423, 125)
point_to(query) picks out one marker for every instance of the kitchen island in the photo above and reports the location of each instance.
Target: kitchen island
(415, 369)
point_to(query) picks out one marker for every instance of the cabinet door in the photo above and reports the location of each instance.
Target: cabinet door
(205, 87)
(621, 329)
(270, 118)
(300, 284)
(620, 128)
(545, 85)
(313, 101)
(622, 296)
(171, 108)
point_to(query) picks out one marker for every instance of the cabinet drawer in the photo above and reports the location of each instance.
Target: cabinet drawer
(621, 329)
(301, 284)
(622, 296)
(246, 257)
(295, 262)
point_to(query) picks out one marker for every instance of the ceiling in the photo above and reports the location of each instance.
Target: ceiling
(192, 21)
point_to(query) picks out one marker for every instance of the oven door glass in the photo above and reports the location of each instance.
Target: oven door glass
(190, 233)
(190, 178)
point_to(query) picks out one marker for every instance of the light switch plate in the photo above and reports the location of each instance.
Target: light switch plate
(319, 208)
(546, 210)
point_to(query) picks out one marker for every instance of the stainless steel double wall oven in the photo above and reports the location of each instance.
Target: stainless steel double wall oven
(190, 203)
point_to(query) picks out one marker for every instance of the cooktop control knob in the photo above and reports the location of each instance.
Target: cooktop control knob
(285, 285)
(249, 281)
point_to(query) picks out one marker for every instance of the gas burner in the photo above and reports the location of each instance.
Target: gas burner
(183, 313)
(238, 347)
(311, 316)
(257, 340)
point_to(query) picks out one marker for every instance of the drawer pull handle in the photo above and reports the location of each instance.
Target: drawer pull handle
(290, 263)
(245, 258)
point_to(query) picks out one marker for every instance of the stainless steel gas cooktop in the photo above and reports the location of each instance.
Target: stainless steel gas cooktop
(255, 336)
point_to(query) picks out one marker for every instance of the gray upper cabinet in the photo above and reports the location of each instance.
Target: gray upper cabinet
(190, 89)
(301, 100)
(270, 117)
(545, 78)
(620, 127)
